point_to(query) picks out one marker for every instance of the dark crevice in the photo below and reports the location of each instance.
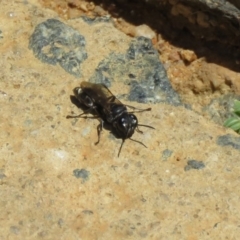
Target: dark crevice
(181, 33)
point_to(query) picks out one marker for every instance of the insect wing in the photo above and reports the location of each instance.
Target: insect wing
(99, 93)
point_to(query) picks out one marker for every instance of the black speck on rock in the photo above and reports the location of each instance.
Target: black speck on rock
(54, 42)
(229, 140)
(194, 164)
(140, 68)
(81, 173)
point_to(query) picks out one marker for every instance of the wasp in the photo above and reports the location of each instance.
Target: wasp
(100, 101)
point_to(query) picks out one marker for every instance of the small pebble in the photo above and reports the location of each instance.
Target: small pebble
(145, 31)
(188, 55)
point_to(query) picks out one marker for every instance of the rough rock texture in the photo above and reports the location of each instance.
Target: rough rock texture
(140, 68)
(56, 184)
(53, 42)
(211, 20)
(197, 67)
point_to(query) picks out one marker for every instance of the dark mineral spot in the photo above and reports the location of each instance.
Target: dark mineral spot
(15, 230)
(141, 47)
(94, 20)
(60, 222)
(194, 164)
(81, 173)
(166, 154)
(87, 212)
(140, 68)
(220, 108)
(54, 42)
(2, 174)
(229, 140)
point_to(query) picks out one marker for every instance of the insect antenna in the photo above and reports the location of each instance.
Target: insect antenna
(139, 131)
(138, 110)
(142, 125)
(133, 141)
(123, 140)
(138, 142)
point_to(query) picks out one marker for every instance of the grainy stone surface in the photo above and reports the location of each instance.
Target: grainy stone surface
(56, 184)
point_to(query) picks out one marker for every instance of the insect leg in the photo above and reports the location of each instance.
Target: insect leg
(86, 112)
(78, 116)
(99, 130)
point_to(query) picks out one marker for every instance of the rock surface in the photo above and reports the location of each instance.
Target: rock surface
(56, 184)
(212, 20)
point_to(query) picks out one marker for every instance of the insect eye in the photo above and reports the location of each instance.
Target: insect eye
(79, 90)
(123, 122)
(134, 119)
(88, 101)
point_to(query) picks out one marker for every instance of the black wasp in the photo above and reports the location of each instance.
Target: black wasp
(99, 101)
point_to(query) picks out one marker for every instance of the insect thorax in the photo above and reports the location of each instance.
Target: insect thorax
(114, 111)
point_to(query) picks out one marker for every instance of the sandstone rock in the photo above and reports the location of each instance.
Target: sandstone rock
(56, 184)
